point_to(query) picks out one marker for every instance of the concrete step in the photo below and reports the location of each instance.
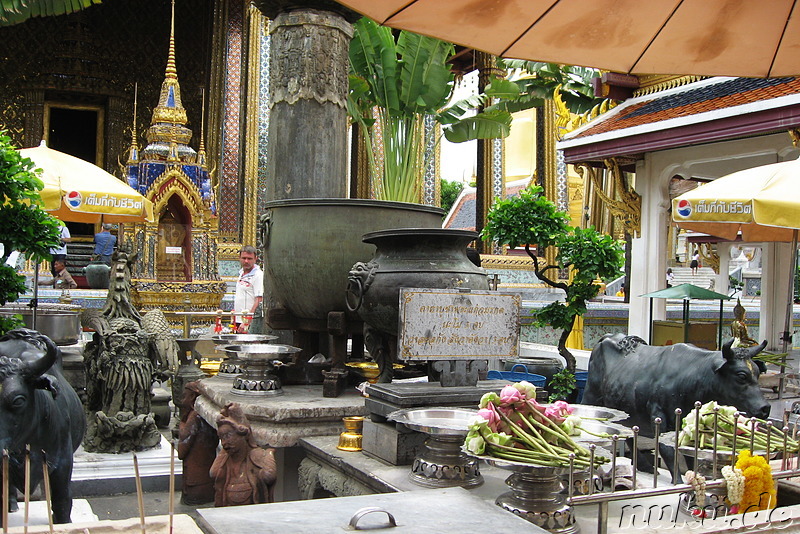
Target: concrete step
(703, 278)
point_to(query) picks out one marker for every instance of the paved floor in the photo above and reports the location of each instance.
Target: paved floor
(127, 505)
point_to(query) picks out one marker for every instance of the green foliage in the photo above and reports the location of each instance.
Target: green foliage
(449, 194)
(403, 80)
(24, 226)
(530, 219)
(538, 82)
(16, 11)
(10, 322)
(561, 385)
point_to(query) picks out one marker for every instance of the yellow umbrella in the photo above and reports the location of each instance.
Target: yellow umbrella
(707, 37)
(78, 191)
(761, 203)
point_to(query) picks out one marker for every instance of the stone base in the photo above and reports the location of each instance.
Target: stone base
(100, 473)
(37, 515)
(282, 421)
(391, 442)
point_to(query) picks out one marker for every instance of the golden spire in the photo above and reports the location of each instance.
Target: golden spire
(133, 151)
(201, 151)
(170, 108)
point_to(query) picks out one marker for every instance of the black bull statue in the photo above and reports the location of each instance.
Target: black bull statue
(649, 382)
(39, 408)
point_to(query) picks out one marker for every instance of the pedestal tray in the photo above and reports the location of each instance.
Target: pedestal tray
(231, 367)
(259, 362)
(441, 463)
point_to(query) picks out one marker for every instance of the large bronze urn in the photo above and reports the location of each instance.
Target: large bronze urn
(406, 257)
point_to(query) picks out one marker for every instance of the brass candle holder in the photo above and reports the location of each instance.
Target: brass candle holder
(350, 439)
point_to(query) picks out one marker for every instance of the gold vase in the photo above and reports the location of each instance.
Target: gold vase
(350, 439)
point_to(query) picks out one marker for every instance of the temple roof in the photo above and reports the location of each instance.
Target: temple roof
(709, 110)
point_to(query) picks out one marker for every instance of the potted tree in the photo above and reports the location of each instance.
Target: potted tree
(531, 219)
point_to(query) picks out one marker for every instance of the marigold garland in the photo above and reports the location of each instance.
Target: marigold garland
(759, 488)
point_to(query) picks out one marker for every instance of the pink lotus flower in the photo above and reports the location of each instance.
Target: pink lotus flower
(558, 411)
(510, 395)
(491, 417)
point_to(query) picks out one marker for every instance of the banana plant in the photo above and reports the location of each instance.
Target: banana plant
(394, 84)
(16, 11)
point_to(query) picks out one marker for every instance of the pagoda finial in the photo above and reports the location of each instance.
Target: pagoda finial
(201, 151)
(133, 151)
(170, 110)
(172, 71)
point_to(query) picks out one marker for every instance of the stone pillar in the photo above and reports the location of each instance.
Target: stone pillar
(722, 280)
(307, 142)
(775, 261)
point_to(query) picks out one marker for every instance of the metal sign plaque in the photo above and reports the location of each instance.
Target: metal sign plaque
(448, 324)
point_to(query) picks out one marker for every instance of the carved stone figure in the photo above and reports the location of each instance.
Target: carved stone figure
(197, 447)
(122, 360)
(243, 472)
(39, 408)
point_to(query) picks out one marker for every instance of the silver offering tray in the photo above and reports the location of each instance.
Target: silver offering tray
(241, 339)
(259, 352)
(440, 463)
(601, 427)
(537, 492)
(232, 367)
(668, 438)
(259, 361)
(598, 412)
(435, 421)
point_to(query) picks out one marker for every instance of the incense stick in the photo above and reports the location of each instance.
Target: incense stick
(27, 491)
(46, 483)
(139, 492)
(171, 485)
(5, 491)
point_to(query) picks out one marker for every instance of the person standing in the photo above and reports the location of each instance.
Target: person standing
(60, 252)
(104, 243)
(695, 261)
(249, 289)
(62, 279)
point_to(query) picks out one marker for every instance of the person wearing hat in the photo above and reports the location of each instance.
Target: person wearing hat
(104, 243)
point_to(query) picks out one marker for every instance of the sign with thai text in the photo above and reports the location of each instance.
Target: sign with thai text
(174, 250)
(448, 324)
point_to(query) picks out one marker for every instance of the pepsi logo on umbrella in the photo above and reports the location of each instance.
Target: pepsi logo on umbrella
(684, 208)
(73, 199)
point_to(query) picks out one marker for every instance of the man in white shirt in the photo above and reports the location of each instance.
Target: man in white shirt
(59, 253)
(249, 289)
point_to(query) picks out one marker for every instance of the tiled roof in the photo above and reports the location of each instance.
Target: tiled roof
(711, 97)
(463, 211)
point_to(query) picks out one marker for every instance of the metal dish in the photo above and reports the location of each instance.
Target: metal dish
(601, 427)
(259, 352)
(723, 457)
(587, 411)
(435, 421)
(241, 339)
(525, 467)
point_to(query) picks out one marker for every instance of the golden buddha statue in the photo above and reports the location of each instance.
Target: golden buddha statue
(739, 328)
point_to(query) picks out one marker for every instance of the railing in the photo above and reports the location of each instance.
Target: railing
(602, 499)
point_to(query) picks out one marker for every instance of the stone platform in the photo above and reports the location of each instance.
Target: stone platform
(281, 421)
(99, 474)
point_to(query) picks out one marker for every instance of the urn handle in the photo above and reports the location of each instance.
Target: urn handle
(358, 281)
(263, 229)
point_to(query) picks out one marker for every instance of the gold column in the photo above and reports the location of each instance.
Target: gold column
(485, 191)
(550, 178)
(255, 33)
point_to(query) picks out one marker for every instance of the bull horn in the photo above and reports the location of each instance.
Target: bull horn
(38, 366)
(753, 351)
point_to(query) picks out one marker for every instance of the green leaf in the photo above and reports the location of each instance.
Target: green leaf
(488, 125)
